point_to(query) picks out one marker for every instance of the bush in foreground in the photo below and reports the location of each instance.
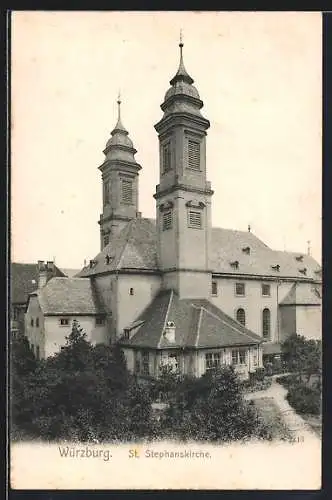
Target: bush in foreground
(304, 399)
(212, 408)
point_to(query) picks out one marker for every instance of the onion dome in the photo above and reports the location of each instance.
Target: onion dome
(120, 146)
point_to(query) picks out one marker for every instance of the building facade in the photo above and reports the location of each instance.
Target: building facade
(175, 288)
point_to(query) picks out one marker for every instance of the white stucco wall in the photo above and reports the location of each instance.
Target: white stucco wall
(253, 302)
(35, 334)
(55, 334)
(309, 321)
(129, 307)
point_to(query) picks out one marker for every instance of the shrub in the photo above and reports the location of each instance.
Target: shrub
(287, 380)
(304, 399)
(212, 408)
(258, 375)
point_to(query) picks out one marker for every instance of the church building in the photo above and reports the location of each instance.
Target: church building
(174, 289)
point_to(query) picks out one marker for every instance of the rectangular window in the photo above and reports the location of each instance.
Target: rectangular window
(238, 356)
(167, 165)
(235, 356)
(32, 348)
(37, 322)
(145, 363)
(194, 150)
(212, 360)
(64, 321)
(106, 192)
(195, 219)
(255, 358)
(214, 288)
(127, 191)
(240, 289)
(242, 357)
(31, 322)
(266, 290)
(167, 220)
(37, 352)
(100, 320)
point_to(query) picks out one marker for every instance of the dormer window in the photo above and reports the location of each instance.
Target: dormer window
(276, 268)
(235, 264)
(194, 155)
(246, 250)
(92, 263)
(126, 334)
(299, 258)
(303, 271)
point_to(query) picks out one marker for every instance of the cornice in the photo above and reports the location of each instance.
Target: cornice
(182, 187)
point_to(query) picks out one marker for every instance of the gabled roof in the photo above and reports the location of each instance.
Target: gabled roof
(69, 296)
(303, 294)
(135, 248)
(70, 273)
(198, 324)
(255, 257)
(24, 280)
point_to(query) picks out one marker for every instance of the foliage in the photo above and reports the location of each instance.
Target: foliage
(304, 399)
(166, 384)
(302, 355)
(212, 408)
(258, 375)
(84, 392)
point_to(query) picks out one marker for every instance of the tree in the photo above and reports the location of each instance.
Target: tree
(84, 392)
(302, 355)
(211, 408)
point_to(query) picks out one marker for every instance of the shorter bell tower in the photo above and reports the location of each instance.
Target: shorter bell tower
(120, 182)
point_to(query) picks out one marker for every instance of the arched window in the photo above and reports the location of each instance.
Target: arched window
(266, 323)
(241, 316)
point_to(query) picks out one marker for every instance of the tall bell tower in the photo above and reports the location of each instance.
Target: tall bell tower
(183, 195)
(120, 182)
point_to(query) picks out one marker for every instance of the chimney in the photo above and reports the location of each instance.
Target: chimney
(50, 266)
(169, 332)
(42, 274)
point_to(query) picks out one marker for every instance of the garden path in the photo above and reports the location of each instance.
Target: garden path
(298, 427)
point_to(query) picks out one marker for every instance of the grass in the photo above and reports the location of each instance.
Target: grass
(272, 416)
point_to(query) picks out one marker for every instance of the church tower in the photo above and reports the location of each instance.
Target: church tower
(120, 182)
(183, 195)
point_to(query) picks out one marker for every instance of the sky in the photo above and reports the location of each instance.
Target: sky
(259, 75)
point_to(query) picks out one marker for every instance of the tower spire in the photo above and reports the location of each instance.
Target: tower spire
(119, 127)
(181, 74)
(119, 106)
